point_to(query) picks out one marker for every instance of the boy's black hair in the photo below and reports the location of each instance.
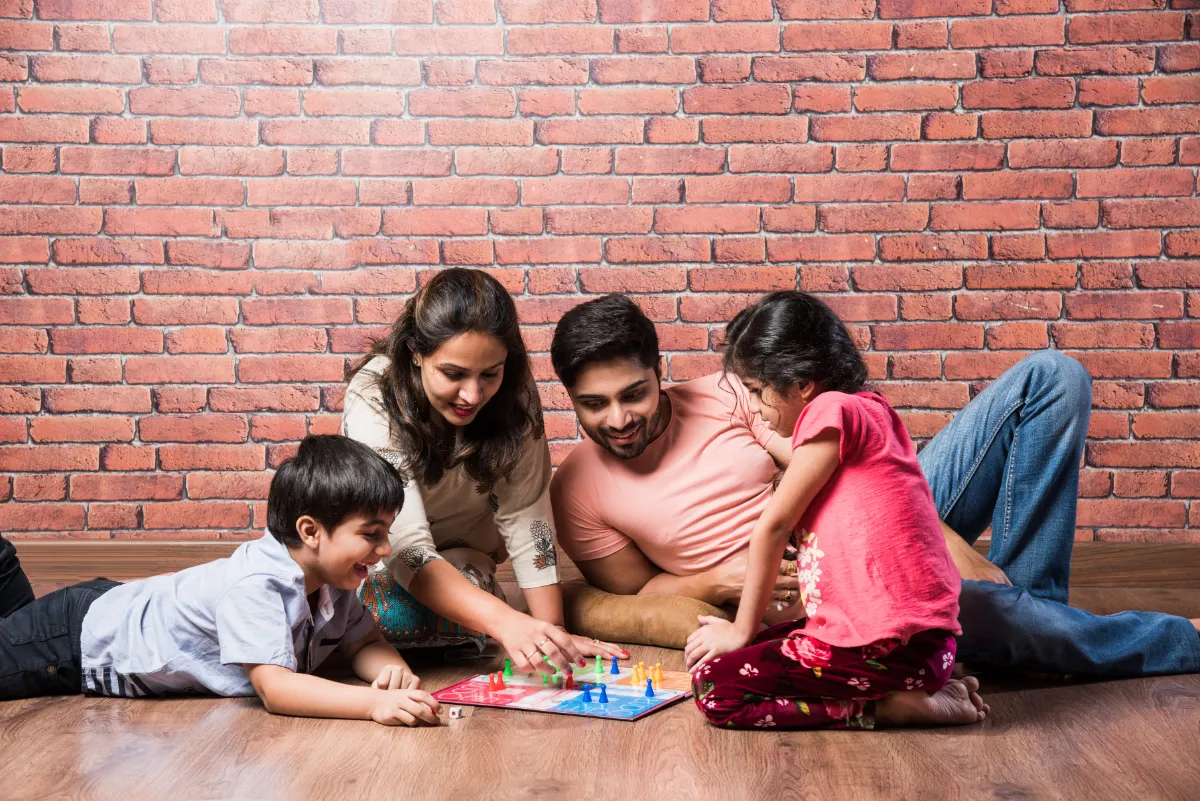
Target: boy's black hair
(609, 327)
(330, 478)
(791, 337)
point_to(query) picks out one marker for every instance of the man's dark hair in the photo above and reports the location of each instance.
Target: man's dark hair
(607, 328)
(330, 478)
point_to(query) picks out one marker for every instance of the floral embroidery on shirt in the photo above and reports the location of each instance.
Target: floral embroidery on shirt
(808, 571)
(543, 544)
(396, 459)
(416, 557)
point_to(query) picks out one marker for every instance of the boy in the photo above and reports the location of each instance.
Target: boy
(258, 622)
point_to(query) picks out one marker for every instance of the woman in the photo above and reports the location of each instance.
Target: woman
(448, 398)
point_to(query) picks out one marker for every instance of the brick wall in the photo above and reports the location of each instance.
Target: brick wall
(207, 207)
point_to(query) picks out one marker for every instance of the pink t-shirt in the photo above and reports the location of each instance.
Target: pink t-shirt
(689, 501)
(873, 563)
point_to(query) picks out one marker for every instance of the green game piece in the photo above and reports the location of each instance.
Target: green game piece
(508, 668)
(599, 664)
(545, 679)
(547, 659)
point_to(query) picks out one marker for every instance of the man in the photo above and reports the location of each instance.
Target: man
(664, 495)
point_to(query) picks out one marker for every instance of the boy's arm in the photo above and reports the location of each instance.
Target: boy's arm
(371, 655)
(285, 692)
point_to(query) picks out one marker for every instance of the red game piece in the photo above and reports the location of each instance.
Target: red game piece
(492, 683)
(500, 680)
(570, 684)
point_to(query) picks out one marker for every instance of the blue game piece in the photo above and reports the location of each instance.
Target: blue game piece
(587, 693)
(649, 688)
(603, 695)
(615, 670)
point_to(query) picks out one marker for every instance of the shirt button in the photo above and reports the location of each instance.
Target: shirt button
(51, 669)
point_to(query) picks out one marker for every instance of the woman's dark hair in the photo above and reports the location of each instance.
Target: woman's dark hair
(457, 301)
(329, 479)
(609, 327)
(790, 337)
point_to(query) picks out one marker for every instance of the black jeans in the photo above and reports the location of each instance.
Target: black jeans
(39, 638)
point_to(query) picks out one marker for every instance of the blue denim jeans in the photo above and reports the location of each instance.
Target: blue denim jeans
(1010, 460)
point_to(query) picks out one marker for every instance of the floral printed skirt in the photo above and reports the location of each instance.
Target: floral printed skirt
(788, 680)
(407, 623)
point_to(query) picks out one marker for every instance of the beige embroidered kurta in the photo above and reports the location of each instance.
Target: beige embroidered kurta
(510, 520)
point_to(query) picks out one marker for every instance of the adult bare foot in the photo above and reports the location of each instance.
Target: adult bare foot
(955, 704)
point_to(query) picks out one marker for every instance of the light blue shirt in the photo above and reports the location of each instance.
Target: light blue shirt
(193, 631)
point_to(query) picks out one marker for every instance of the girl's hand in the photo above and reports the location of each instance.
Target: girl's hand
(396, 677)
(406, 708)
(589, 646)
(529, 640)
(714, 638)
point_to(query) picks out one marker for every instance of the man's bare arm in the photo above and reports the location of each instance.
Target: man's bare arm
(629, 572)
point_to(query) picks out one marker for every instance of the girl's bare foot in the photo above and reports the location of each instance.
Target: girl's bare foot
(955, 704)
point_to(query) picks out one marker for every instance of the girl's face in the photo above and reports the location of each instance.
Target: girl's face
(779, 410)
(462, 375)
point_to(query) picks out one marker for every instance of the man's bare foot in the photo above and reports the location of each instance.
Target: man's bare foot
(955, 704)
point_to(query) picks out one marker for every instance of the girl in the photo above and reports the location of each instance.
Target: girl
(877, 583)
(448, 399)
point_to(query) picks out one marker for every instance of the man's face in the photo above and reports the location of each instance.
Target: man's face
(617, 403)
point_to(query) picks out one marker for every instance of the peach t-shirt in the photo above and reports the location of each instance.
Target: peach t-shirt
(689, 501)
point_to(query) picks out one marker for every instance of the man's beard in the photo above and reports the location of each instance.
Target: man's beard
(633, 449)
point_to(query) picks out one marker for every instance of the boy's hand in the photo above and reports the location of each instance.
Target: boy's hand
(714, 638)
(396, 677)
(406, 708)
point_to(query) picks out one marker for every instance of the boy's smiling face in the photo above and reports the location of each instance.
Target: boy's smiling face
(341, 557)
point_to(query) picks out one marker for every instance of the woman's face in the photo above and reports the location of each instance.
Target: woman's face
(462, 375)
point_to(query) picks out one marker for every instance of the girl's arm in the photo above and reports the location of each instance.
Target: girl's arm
(814, 463)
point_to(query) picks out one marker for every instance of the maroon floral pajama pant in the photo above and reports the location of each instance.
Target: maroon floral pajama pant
(787, 680)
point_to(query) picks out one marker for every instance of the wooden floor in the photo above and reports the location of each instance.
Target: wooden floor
(1135, 739)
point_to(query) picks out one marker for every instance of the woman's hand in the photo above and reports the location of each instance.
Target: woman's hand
(714, 638)
(589, 646)
(529, 642)
(396, 677)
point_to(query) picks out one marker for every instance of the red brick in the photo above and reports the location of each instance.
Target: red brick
(558, 250)
(724, 69)
(1017, 335)
(1012, 32)
(87, 69)
(642, 39)
(593, 220)
(39, 487)
(566, 39)
(246, 486)
(866, 128)
(750, 99)
(710, 219)
(1006, 63)
(91, 37)
(1129, 182)
(381, 11)
(252, 399)
(1146, 152)
(1148, 121)
(624, 279)
(1026, 93)
(726, 38)
(539, 71)
(641, 69)
(26, 36)
(95, 9)
(1104, 244)
(984, 216)
(1014, 185)
(459, 40)
(1124, 305)
(624, 250)
(932, 247)
(850, 247)
(518, 221)
(1154, 26)
(653, 10)
(41, 516)
(1064, 153)
(929, 156)
(1104, 60)
(270, 10)
(560, 190)
(738, 189)
(1041, 124)
(659, 130)
(628, 101)
(538, 12)
(855, 35)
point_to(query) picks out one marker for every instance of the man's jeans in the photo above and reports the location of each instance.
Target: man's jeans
(1010, 460)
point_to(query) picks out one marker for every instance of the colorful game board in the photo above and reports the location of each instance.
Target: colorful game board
(626, 700)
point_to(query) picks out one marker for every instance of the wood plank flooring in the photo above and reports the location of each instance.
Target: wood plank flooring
(1134, 739)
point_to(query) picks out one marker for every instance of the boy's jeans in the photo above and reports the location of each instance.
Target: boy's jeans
(1010, 460)
(39, 639)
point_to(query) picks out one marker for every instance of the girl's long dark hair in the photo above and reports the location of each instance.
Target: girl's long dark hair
(456, 301)
(790, 337)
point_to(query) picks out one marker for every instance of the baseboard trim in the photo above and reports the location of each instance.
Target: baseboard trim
(1095, 564)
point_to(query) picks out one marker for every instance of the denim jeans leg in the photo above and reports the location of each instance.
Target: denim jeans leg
(15, 591)
(1010, 460)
